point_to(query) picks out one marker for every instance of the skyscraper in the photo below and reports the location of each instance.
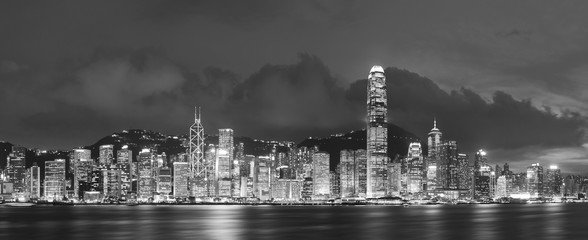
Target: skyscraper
(447, 165)
(320, 175)
(553, 182)
(482, 183)
(434, 147)
(415, 168)
(377, 134)
(164, 183)
(16, 169)
(463, 175)
(34, 183)
(54, 180)
(535, 180)
(199, 167)
(224, 160)
(124, 161)
(146, 182)
(352, 169)
(106, 156)
(180, 179)
(82, 176)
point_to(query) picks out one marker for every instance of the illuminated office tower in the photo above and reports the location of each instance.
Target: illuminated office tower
(146, 182)
(106, 155)
(181, 176)
(82, 176)
(348, 176)
(211, 183)
(395, 178)
(553, 182)
(463, 176)
(415, 166)
(224, 160)
(34, 183)
(535, 180)
(16, 169)
(320, 175)
(54, 184)
(492, 184)
(248, 176)
(447, 165)
(164, 182)
(236, 178)
(236, 171)
(335, 184)
(434, 147)
(377, 134)
(80, 173)
(353, 173)
(74, 156)
(482, 183)
(263, 179)
(287, 189)
(112, 181)
(124, 160)
(502, 190)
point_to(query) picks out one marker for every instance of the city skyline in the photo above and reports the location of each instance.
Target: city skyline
(87, 78)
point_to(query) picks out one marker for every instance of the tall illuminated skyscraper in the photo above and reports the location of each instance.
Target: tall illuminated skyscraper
(180, 179)
(320, 175)
(535, 180)
(224, 161)
(349, 175)
(199, 167)
(415, 174)
(447, 165)
(377, 134)
(553, 182)
(54, 184)
(434, 147)
(16, 169)
(124, 159)
(81, 166)
(146, 182)
(34, 183)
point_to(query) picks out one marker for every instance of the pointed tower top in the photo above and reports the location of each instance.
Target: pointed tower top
(197, 113)
(377, 68)
(435, 129)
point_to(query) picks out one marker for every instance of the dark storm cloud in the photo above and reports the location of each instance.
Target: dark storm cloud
(118, 88)
(209, 54)
(502, 122)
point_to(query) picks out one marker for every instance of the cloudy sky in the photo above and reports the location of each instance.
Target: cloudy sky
(507, 76)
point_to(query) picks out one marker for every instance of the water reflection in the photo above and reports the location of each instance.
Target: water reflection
(549, 221)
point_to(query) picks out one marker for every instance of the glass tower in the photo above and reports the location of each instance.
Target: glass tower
(377, 134)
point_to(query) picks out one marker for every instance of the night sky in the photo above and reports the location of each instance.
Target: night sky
(506, 76)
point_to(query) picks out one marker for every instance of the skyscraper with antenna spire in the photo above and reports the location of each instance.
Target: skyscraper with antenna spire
(198, 166)
(434, 147)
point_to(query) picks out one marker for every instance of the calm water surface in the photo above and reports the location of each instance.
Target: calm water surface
(547, 221)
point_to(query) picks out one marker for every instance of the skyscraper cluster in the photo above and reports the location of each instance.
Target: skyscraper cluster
(222, 171)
